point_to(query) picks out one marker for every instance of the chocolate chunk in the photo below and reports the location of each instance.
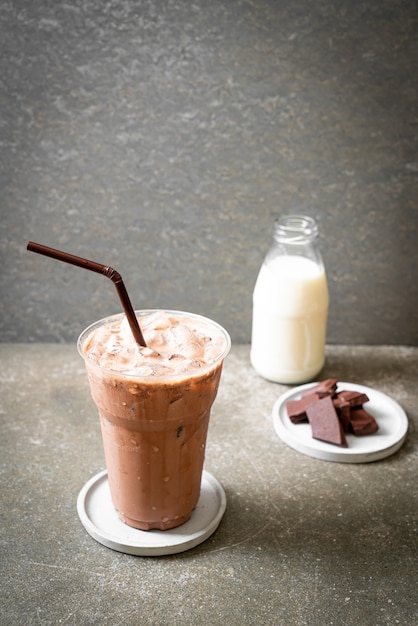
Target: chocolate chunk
(354, 398)
(296, 409)
(362, 423)
(325, 388)
(344, 414)
(324, 422)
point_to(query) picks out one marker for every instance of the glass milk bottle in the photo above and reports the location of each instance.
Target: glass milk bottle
(290, 305)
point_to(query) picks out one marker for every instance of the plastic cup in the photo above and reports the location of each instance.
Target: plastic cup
(154, 431)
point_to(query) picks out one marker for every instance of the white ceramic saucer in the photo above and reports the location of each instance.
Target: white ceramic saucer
(390, 416)
(100, 519)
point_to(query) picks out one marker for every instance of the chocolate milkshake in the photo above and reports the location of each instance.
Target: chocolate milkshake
(154, 404)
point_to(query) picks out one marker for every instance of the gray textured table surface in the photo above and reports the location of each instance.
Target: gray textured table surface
(302, 541)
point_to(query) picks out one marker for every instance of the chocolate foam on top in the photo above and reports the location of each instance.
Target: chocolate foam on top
(175, 344)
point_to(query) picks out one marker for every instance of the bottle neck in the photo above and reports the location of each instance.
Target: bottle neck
(296, 235)
(295, 230)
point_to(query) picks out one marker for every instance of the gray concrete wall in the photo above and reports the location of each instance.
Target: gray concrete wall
(163, 137)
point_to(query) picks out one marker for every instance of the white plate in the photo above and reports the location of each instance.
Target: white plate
(390, 417)
(100, 519)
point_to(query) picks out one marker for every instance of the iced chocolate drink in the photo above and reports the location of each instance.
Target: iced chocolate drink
(154, 404)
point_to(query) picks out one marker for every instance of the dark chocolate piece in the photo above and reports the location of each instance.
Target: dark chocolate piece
(325, 388)
(362, 423)
(354, 398)
(344, 414)
(324, 422)
(296, 409)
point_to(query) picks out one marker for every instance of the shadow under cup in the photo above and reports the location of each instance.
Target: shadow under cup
(154, 432)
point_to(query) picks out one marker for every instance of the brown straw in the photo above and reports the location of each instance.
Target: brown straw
(107, 271)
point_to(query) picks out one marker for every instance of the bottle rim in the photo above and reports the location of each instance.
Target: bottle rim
(295, 228)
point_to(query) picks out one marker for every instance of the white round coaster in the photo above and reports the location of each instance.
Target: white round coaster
(100, 519)
(390, 417)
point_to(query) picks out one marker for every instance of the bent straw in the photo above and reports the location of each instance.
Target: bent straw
(107, 271)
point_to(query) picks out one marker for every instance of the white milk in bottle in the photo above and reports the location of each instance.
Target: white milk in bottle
(290, 305)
